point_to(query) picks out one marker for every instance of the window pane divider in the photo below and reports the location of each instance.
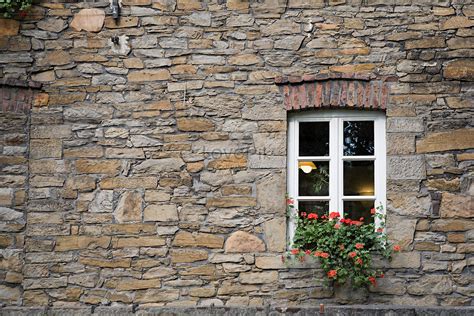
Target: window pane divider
(316, 158)
(314, 198)
(359, 198)
(358, 158)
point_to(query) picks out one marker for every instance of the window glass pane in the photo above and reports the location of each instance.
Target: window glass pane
(358, 178)
(357, 209)
(314, 139)
(358, 138)
(313, 178)
(318, 207)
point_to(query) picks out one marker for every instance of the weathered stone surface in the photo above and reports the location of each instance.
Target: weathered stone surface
(258, 277)
(454, 205)
(102, 202)
(442, 141)
(8, 214)
(157, 166)
(241, 241)
(90, 20)
(228, 162)
(89, 166)
(9, 27)
(231, 201)
(461, 69)
(129, 208)
(431, 284)
(406, 260)
(401, 230)
(428, 42)
(52, 25)
(186, 239)
(187, 255)
(10, 295)
(129, 183)
(67, 243)
(269, 263)
(275, 234)
(133, 242)
(406, 167)
(270, 194)
(160, 213)
(195, 124)
(148, 75)
(456, 22)
(451, 225)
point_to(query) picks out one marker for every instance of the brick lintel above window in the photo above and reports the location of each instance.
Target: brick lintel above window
(335, 91)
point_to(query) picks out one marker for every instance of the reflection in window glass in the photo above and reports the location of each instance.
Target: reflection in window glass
(357, 209)
(314, 139)
(318, 207)
(313, 178)
(358, 138)
(358, 178)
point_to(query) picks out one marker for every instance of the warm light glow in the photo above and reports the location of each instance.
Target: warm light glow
(306, 166)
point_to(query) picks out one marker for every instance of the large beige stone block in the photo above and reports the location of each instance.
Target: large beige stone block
(241, 241)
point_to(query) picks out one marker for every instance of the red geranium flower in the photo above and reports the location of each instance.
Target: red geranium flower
(361, 219)
(317, 253)
(352, 254)
(290, 201)
(334, 215)
(381, 275)
(332, 273)
(371, 280)
(359, 245)
(308, 252)
(312, 216)
(295, 251)
(337, 226)
(359, 261)
(324, 255)
(303, 214)
(397, 248)
(372, 211)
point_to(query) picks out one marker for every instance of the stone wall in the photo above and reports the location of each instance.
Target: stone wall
(157, 151)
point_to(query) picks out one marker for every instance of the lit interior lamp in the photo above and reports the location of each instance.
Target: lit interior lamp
(306, 166)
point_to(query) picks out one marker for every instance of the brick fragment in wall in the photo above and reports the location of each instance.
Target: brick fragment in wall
(320, 92)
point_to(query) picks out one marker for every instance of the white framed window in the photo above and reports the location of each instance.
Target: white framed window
(336, 163)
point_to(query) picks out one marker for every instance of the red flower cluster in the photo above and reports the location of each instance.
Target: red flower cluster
(352, 254)
(337, 226)
(332, 273)
(372, 280)
(321, 254)
(359, 261)
(303, 214)
(334, 215)
(396, 248)
(312, 216)
(349, 221)
(295, 251)
(359, 245)
(372, 211)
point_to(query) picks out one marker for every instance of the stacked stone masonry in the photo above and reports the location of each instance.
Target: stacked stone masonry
(151, 168)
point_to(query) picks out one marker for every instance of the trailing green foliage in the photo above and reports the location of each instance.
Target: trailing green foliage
(344, 247)
(10, 8)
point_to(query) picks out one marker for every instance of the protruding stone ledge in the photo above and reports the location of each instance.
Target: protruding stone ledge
(369, 310)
